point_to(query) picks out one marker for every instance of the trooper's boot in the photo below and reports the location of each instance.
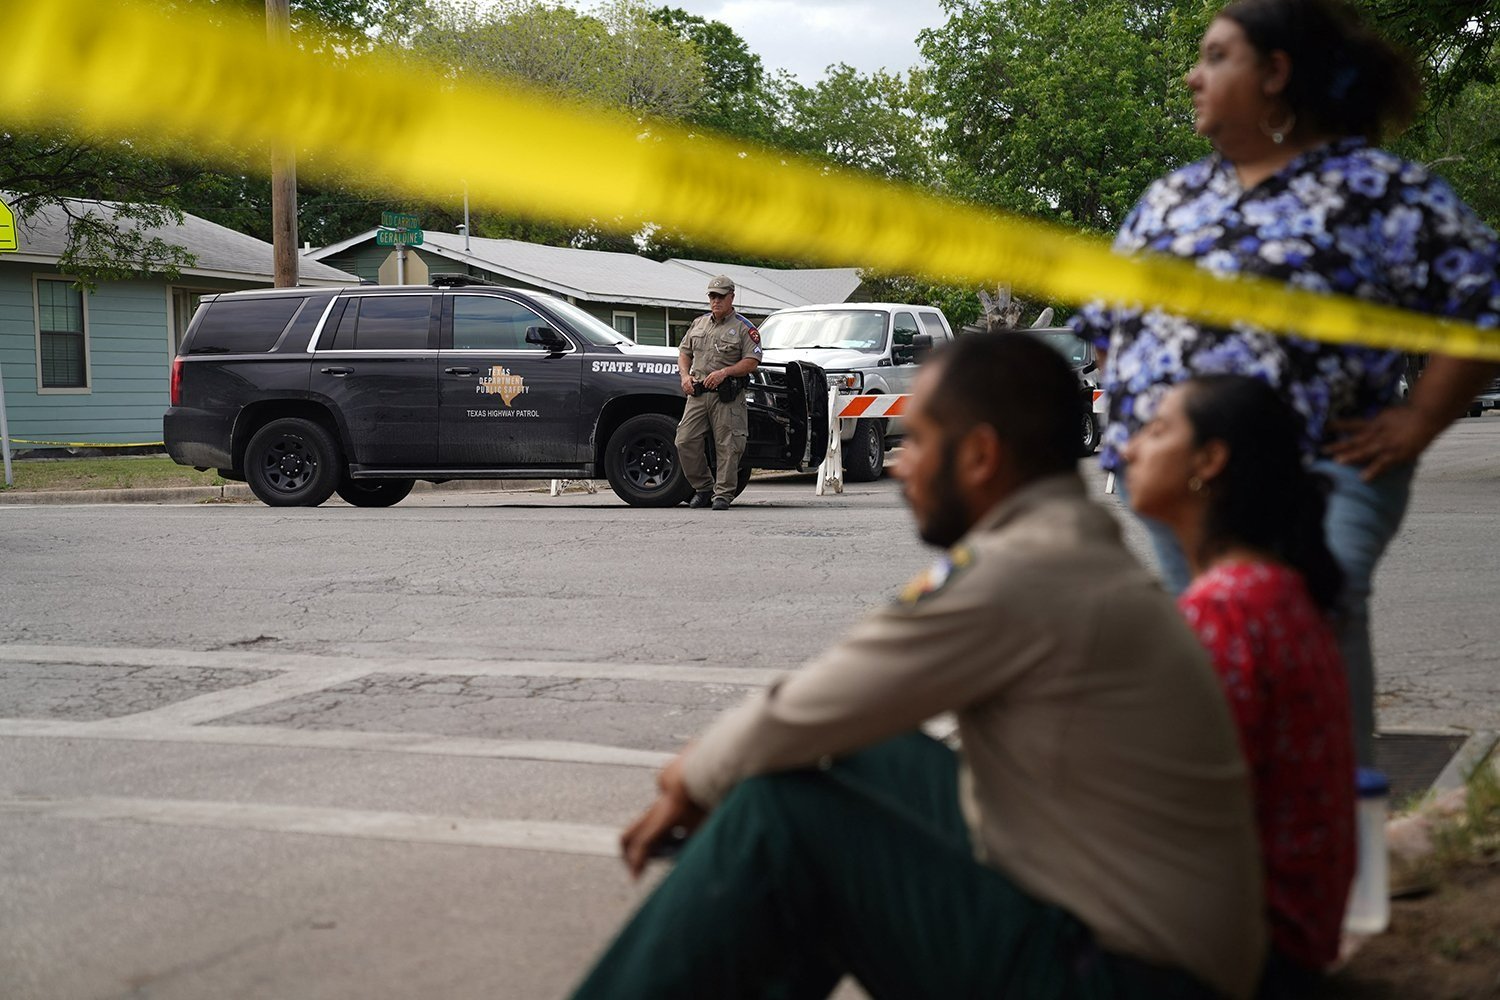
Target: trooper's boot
(700, 499)
(720, 503)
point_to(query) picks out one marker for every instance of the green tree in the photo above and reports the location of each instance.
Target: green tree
(150, 187)
(1453, 39)
(621, 58)
(738, 98)
(873, 122)
(1065, 109)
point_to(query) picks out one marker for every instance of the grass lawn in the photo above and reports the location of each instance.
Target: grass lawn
(1443, 943)
(36, 475)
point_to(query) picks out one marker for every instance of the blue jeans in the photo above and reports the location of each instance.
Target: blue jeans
(1362, 519)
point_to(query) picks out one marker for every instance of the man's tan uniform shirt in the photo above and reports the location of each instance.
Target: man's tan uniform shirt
(715, 344)
(1100, 767)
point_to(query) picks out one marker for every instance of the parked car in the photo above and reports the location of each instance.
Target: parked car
(362, 391)
(866, 348)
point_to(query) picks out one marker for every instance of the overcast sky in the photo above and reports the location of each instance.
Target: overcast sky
(806, 36)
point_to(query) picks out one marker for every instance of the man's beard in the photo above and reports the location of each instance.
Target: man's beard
(948, 521)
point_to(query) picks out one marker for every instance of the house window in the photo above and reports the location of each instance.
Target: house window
(62, 340)
(676, 330)
(625, 323)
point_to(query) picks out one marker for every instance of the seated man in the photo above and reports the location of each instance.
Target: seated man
(1094, 838)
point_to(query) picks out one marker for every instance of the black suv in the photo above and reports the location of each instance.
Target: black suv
(362, 391)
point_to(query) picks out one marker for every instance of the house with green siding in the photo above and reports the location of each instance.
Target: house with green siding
(651, 301)
(91, 367)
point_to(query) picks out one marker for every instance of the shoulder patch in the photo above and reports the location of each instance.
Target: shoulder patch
(937, 576)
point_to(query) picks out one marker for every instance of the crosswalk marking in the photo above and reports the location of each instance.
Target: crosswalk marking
(312, 664)
(420, 828)
(552, 751)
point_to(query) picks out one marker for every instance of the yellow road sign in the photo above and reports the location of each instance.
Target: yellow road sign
(7, 229)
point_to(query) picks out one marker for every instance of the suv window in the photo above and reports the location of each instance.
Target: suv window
(490, 323)
(934, 326)
(384, 323)
(243, 326)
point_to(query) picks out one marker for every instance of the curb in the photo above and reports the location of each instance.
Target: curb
(239, 492)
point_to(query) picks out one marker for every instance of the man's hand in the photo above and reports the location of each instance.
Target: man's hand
(1395, 436)
(712, 379)
(672, 808)
(687, 385)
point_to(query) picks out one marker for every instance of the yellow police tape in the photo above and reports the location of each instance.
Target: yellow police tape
(208, 80)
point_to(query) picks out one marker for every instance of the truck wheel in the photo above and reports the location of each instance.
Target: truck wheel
(292, 462)
(641, 462)
(864, 459)
(1090, 432)
(374, 492)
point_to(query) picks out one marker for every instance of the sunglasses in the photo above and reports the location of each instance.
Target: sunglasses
(717, 295)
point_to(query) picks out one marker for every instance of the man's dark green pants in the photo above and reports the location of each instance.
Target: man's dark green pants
(862, 868)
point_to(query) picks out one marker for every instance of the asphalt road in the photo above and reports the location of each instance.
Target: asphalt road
(353, 753)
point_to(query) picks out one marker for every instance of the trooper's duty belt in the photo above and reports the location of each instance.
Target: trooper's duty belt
(728, 390)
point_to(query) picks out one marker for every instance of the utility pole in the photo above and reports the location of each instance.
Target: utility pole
(283, 169)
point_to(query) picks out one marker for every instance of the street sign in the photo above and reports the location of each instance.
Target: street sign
(398, 237)
(399, 220)
(7, 229)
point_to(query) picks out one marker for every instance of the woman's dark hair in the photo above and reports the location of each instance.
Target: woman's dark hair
(1265, 498)
(1345, 79)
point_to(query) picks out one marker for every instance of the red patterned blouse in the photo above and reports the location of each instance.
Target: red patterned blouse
(1280, 666)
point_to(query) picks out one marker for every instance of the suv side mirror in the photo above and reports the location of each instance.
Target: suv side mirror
(545, 336)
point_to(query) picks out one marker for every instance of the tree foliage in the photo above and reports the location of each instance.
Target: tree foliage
(874, 122)
(621, 58)
(1453, 40)
(1063, 108)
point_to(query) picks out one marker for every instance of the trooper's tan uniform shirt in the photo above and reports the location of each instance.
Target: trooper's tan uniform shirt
(714, 344)
(1100, 767)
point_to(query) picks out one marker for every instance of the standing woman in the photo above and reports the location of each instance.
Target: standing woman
(1292, 93)
(1220, 465)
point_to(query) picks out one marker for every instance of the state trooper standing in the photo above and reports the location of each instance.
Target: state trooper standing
(717, 355)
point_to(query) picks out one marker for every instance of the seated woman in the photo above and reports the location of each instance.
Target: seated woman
(1221, 465)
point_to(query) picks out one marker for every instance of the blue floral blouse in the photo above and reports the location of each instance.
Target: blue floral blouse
(1342, 218)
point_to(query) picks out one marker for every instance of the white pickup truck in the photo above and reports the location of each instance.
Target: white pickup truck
(864, 348)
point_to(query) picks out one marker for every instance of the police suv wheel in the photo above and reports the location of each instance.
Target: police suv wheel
(374, 492)
(864, 457)
(641, 462)
(292, 462)
(1090, 433)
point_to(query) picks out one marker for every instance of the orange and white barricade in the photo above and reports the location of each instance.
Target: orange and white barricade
(831, 472)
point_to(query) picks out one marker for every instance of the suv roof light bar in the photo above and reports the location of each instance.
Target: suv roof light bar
(455, 280)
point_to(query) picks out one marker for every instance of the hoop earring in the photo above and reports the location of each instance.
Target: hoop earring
(1278, 133)
(1195, 484)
